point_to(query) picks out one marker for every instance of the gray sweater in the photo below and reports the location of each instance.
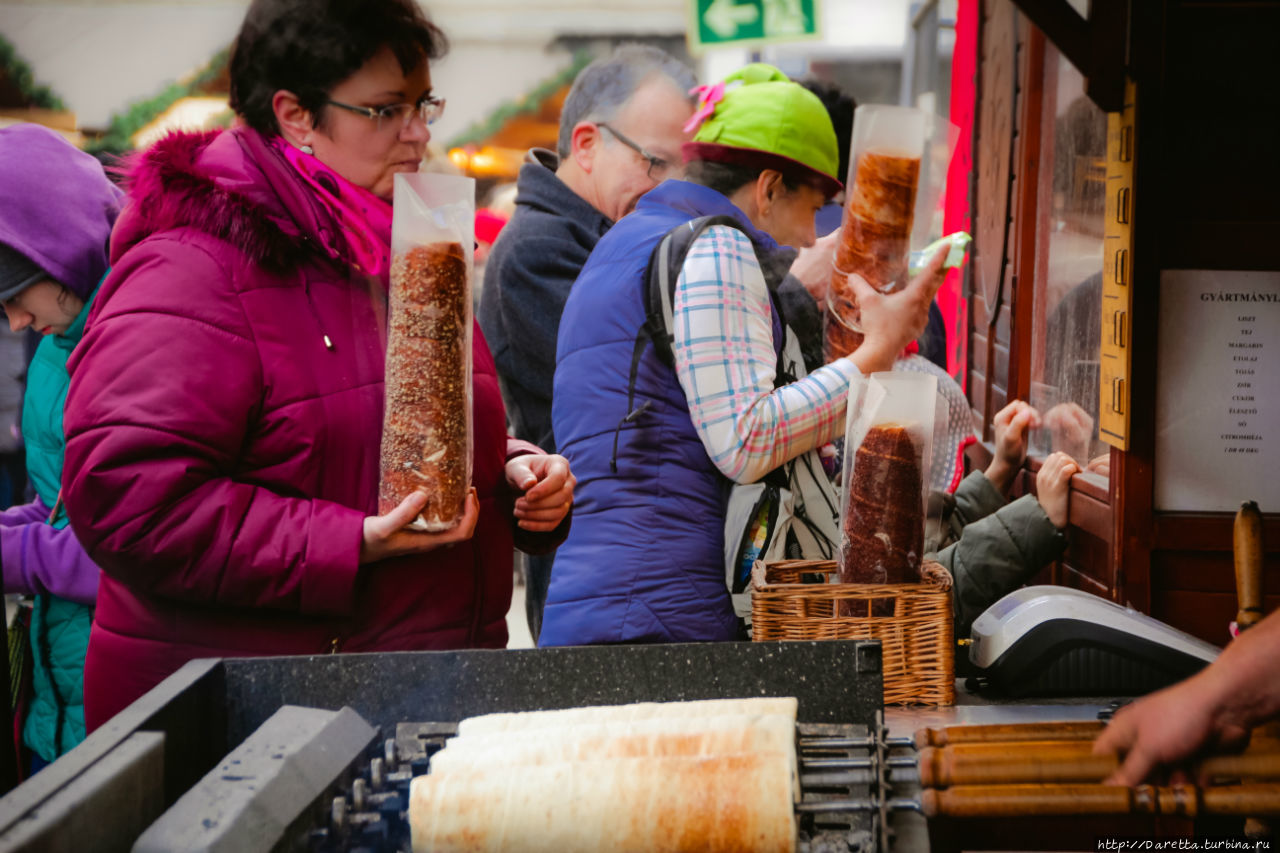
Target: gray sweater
(534, 263)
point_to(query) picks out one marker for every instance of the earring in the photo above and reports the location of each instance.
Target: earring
(306, 149)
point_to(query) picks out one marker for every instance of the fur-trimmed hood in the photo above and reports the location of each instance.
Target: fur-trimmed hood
(232, 185)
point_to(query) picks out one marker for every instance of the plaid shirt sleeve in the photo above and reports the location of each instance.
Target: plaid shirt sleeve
(726, 364)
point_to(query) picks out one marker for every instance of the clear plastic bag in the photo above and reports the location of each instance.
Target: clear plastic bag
(898, 160)
(888, 455)
(427, 430)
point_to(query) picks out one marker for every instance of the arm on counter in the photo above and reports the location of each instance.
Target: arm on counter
(1214, 708)
(996, 554)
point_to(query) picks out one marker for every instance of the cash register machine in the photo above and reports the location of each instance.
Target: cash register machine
(1056, 641)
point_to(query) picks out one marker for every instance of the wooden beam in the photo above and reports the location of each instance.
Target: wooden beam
(1109, 29)
(1096, 47)
(1069, 32)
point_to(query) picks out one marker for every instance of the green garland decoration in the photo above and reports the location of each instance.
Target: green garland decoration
(481, 130)
(120, 131)
(20, 73)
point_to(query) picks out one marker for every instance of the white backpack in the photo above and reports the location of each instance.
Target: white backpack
(800, 512)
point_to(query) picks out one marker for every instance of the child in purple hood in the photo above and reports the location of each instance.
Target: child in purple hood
(56, 213)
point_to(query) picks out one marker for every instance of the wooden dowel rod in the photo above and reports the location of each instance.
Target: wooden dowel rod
(947, 766)
(1066, 762)
(1021, 800)
(1247, 535)
(1242, 800)
(1045, 800)
(1080, 730)
(1248, 765)
(1005, 732)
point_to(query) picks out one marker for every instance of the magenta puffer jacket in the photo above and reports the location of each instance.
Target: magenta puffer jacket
(221, 457)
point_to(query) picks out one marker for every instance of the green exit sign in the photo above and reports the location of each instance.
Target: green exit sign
(739, 22)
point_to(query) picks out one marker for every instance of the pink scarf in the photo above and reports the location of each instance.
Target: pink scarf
(363, 218)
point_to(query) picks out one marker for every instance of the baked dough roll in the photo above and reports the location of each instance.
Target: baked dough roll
(884, 188)
(631, 805)
(875, 240)
(721, 732)
(664, 737)
(882, 538)
(524, 720)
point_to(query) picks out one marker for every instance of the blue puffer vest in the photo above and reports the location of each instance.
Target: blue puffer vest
(644, 561)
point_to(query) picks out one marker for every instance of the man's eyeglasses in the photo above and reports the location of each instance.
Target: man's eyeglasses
(658, 167)
(399, 116)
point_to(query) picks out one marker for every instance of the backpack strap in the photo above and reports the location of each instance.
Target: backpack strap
(661, 277)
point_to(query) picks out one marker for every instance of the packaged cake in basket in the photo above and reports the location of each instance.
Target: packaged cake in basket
(888, 448)
(898, 160)
(426, 429)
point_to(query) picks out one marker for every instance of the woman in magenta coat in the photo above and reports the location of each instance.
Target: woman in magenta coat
(225, 410)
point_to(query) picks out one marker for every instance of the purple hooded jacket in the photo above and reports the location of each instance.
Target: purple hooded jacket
(57, 209)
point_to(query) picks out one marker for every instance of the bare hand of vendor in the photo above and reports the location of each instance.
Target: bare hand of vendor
(386, 535)
(1012, 426)
(813, 266)
(891, 321)
(547, 484)
(1212, 710)
(1053, 487)
(1163, 730)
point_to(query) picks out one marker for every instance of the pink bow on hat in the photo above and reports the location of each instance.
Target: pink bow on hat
(709, 95)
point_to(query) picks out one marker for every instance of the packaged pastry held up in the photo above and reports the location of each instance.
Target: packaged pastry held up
(426, 433)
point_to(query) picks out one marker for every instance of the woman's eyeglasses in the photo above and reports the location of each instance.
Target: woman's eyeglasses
(658, 166)
(399, 116)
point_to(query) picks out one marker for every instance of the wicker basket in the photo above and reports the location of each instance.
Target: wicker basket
(916, 642)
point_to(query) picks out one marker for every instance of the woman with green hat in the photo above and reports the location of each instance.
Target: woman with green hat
(657, 448)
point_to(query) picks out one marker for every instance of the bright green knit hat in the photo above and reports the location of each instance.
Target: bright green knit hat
(758, 117)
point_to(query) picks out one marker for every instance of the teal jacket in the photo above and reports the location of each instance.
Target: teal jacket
(991, 547)
(59, 627)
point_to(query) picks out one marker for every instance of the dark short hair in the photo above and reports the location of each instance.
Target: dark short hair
(840, 106)
(728, 178)
(308, 47)
(602, 88)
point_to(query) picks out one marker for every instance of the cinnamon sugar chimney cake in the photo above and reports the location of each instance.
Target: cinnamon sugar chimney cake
(424, 436)
(883, 531)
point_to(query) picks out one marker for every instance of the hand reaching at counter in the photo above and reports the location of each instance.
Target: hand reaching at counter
(1011, 426)
(1214, 709)
(1053, 487)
